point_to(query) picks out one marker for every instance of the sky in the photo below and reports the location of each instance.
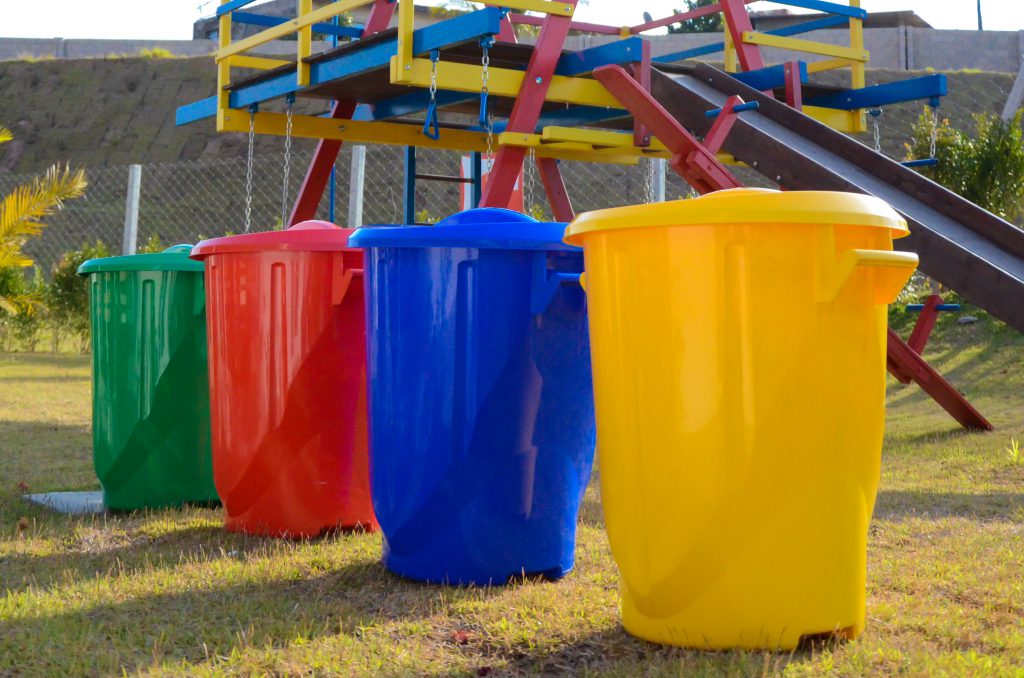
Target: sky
(172, 19)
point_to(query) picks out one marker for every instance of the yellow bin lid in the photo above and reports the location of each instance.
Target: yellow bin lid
(746, 206)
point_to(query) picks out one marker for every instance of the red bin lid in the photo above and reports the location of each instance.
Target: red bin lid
(307, 236)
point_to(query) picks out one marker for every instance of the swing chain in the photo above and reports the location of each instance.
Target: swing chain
(649, 178)
(484, 90)
(875, 114)
(287, 161)
(434, 58)
(529, 181)
(934, 138)
(248, 169)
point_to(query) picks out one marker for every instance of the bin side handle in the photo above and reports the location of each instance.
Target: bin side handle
(893, 270)
(342, 279)
(545, 284)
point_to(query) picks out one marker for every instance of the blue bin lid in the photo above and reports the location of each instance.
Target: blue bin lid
(483, 228)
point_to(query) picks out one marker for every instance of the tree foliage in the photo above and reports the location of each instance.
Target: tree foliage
(986, 167)
(710, 23)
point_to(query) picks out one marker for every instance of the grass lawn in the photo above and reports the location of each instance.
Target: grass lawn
(170, 592)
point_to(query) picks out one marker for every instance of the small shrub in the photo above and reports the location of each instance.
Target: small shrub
(986, 168)
(155, 53)
(153, 245)
(67, 296)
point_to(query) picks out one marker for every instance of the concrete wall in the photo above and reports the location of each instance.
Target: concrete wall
(901, 48)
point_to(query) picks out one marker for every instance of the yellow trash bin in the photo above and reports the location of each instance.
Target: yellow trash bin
(738, 347)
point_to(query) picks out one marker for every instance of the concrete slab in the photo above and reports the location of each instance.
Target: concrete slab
(73, 503)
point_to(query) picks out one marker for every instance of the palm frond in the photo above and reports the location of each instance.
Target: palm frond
(11, 257)
(5, 135)
(21, 210)
(17, 304)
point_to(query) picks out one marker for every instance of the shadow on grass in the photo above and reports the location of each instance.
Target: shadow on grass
(33, 436)
(210, 620)
(922, 504)
(614, 652)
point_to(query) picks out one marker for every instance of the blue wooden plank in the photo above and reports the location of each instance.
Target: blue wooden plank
(444, 34)
(770, 77)
(828, 7)
(354, 31)
(808, 26)
(416, 102)
(689, 53)
(585, 61)
(232, 6)
(574, 116)
(197, 110)
(925, 87)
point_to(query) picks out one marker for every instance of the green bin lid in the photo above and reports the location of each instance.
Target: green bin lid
(171, 259)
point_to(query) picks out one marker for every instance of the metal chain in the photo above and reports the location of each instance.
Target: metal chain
(287, 163)
(433, 80)
(649, 179)
(484, 88)
(934, 132)
(875, 115)
(529, 181)
(248, 171)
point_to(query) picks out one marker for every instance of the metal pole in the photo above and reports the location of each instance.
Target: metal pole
(980, 28)
(332, 192)
(659, 179)
(357, 179)
(131, 210)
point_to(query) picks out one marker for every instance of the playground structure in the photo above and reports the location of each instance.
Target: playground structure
(467, 84)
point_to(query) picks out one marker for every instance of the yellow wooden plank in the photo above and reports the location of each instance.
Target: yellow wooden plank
(223, 68)
(808, 46)
(857, 79)
(305, 45)
(596, 137)
(291, 26)
(503, 82)
(544, 6)
(731, 62)
(260, 63)
(829, 65)
(406, 26)
(842, 121)
(393, 134)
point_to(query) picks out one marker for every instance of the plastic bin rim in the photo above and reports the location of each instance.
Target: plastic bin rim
(175, 258)
(747, 206)
(481, 228)
(308, 236)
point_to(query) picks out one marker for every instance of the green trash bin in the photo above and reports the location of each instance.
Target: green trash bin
(151, 399)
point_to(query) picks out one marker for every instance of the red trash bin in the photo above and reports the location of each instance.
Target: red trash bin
(286, 331)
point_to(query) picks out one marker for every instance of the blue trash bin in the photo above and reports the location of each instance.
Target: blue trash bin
(481, 399)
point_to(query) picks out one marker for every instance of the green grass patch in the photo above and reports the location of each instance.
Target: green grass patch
(169, 592)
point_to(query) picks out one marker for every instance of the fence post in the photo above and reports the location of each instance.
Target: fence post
(659, 179)
(355, 190)
(131, 210)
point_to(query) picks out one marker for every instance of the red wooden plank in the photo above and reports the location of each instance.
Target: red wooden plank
(794, 88)
(909, 362)
(925, 323)
(554, 186)
(726, 118)
(581, 26)
(508, 31)
(738, 22)
(642, 73)
(679, 17)
(326, 153)
(695, 163)
(527, 108)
